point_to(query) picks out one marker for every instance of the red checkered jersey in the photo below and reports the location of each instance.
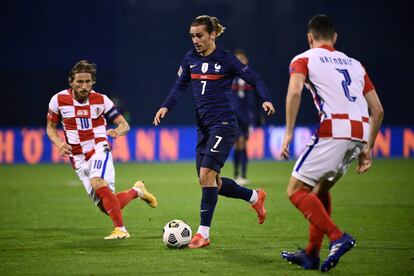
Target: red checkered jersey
(338, 84)
(84, 123)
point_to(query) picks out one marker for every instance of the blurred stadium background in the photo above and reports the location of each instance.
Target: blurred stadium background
(139, 44)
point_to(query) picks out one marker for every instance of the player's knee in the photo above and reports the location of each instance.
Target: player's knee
(296, 185)
(290, 191)
(97, 183)
(204, 180)
(207, 178)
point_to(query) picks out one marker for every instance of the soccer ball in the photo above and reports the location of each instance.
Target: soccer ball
(176, 234)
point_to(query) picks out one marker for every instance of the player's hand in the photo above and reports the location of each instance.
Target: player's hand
(365, 161)
(160, 115)
(268, 107)
(285, 152)
(64, 149)
(112, 132)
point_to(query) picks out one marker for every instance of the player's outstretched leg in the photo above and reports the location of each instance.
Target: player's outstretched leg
(242, 181)
(301, 259)
(337, 249)
(125, 197)
(137, 191)
(143, 193)
(230, 188)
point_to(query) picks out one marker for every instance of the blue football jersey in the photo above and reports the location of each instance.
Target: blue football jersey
(211, 78)
(243, 101)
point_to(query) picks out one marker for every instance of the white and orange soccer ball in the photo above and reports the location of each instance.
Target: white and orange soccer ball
(176, 234)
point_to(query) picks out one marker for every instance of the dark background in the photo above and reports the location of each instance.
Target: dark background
(139, 44)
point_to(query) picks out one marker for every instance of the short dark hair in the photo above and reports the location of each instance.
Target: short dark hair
(83, 66)
(322, 27)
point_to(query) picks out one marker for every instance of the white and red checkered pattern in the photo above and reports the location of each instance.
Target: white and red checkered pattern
(341, 126)
(84, 123)
(338, 84)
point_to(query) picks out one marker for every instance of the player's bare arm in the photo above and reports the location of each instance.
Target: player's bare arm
(293, 98)
(376, 116)
(121, 129)
(51, 130)
(268, 108)
(160, 115)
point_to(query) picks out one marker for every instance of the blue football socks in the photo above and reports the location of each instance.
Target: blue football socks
(208, 204)
(230, 188)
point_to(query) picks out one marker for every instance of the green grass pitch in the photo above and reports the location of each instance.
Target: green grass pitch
(49, 225)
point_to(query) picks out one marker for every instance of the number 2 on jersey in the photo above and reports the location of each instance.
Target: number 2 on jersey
(204, 87)
(346, 83)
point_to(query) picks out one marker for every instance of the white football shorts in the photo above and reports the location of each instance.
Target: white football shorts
(99, 165)
(325, 159)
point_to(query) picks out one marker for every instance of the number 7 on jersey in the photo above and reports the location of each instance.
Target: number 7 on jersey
(203, 89)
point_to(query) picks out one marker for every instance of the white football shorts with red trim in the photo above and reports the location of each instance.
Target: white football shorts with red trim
(99, 165)
(325, 159)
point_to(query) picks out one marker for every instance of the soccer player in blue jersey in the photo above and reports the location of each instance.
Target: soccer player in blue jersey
(211, 70)
(246, 106)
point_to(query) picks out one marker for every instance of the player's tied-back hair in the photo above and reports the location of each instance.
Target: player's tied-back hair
(212, 24)
(322, 27)
(83, 66)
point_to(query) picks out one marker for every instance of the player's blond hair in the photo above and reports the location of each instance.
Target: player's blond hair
(83, 66)
(212, 24)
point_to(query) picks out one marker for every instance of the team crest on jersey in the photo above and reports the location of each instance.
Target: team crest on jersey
(97, 111)
(204, 67)
(217, 67)
(180, 71)
(82, 112)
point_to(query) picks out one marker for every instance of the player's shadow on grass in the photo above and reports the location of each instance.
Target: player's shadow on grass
(79, 238)
(93, 239)
(249, 257)
(245, 259)
(269, 262)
